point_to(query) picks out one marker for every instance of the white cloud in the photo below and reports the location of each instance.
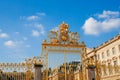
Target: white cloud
(35, 33)
(25, 38)
(40, 27)
(37, 16)
(37, 29)
(55, 29)
(110, 24)
(30, 18)
(17, 33)
(0, 30)
(93, 26)
(4, 35)
(10, 43)
(33, 17)
(28, 46)
(41, 14)
(109, 14)
(28, 25)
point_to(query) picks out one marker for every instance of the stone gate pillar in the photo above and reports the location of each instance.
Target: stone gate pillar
(38, 72)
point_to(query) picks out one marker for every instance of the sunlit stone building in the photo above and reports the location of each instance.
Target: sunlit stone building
(108, 55)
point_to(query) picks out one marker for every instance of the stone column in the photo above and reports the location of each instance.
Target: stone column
(38, 72)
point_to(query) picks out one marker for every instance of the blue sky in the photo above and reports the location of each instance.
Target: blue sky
(25, 23)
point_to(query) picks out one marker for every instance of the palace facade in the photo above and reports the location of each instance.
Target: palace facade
(107, 58)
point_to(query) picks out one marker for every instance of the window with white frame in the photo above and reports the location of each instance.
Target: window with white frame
(115, 65)
(119, 47)
(108, 53)
(110, 69)
(113, 50)
(103, 55)
(98, 57)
